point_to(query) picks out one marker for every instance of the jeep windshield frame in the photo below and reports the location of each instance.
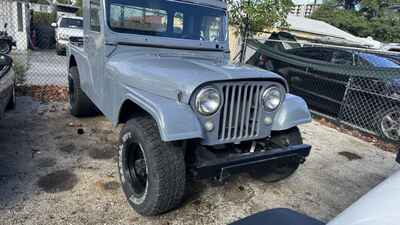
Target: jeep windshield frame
(166, 18)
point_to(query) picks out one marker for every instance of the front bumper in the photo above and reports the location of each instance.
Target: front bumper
(224, 167)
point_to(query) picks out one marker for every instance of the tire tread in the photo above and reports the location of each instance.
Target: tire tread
(168, 163)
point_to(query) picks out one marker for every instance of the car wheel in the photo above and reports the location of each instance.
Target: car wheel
(389, 124)
(13, 100)
(152, 172)
(281, 168)
(5, 47)
(80, 104)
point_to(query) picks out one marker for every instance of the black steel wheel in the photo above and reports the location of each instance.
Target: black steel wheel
(138, 169)
(280, 169)
(152, 172)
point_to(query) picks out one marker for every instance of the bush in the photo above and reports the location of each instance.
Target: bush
(20, 66)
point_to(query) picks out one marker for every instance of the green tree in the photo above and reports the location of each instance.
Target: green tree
(78, 3)
(67, 2)
(252, 16)
(43, 2)
(369, 18)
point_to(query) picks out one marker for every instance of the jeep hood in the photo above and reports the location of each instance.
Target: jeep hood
(165, 76)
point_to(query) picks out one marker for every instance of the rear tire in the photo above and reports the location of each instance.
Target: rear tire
(152, 172)
(282, 168)
(80, 104)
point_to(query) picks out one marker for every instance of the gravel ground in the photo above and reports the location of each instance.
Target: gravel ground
(56, 169)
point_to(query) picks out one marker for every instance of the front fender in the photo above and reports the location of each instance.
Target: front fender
(176, 121)
(293, 112)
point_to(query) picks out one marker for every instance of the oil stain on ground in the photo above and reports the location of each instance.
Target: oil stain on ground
(350, 156)
(106, 152)
(46, 162)
(68, 148)
(58, 181)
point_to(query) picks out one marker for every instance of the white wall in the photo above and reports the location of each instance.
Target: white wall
(9, 14)
(41, 7)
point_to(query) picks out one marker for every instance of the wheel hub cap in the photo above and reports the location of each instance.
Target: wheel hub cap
(390, 125)
(140, 167)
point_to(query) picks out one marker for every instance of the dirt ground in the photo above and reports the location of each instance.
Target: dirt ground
(56, 169)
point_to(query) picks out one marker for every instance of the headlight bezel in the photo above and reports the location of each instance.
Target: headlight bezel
(202, 94)
(269, 91)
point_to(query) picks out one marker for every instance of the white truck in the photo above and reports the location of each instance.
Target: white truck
(65, 28)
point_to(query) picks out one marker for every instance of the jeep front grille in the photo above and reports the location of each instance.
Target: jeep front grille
(240, 111)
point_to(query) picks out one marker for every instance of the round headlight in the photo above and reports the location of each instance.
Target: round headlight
(208, 101)
(271, 98)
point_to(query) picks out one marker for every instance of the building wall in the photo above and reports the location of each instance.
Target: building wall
(41, 7)
(304, 10)
(15, 13)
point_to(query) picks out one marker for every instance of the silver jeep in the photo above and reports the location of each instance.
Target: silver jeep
(161, 68)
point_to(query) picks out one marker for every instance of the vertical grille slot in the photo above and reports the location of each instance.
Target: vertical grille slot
(240, 112)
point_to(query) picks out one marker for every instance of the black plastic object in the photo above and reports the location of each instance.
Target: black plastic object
(226, 166)
(279, 216)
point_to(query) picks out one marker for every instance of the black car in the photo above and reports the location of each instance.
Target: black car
(359, 88)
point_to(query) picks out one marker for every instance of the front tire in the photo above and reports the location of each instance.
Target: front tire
(152, 172)
(60, 51)
(80, 104)
(281, 168)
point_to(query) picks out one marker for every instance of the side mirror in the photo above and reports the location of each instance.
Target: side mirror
(5, 25)
(54, 25)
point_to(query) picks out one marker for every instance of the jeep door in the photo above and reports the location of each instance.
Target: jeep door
(94, 47)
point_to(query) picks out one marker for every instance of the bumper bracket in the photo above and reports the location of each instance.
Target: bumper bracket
(222, 168)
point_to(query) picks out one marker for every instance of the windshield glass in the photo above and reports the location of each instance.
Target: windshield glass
(167, 19)
(379, 61)
(71, 23)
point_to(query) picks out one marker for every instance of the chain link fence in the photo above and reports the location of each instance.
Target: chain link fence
(40, 36)
(352, 86)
